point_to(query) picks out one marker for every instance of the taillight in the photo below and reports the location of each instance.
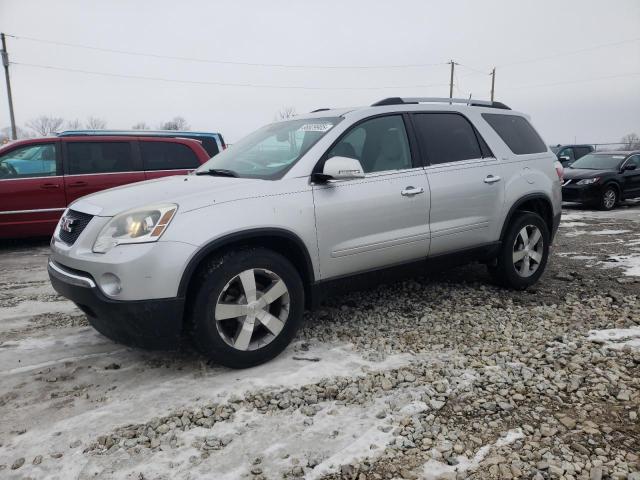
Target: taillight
(559, 170)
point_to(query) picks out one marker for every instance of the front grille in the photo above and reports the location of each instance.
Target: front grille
(79, 222)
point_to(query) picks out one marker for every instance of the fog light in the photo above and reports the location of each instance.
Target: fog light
(110, 284)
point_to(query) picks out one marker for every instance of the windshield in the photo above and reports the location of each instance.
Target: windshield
(270, 151)
(599, 161)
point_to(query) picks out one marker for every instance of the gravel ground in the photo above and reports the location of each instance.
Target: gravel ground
(438, 377)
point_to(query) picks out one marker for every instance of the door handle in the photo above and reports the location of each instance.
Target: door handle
(49, 186)
(78, 184)
(491, 179)
(411, 191)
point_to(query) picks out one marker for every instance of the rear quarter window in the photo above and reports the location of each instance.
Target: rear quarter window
(167, 156)
(210, 145)
(516, 132)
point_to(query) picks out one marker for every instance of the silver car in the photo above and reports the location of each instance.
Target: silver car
(232, 254)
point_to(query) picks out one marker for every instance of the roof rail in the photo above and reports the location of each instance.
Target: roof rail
(415, 100)
(319, 110)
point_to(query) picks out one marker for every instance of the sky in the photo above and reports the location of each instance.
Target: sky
(573, 66)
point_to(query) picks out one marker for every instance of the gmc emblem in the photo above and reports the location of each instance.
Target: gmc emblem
(66, 224)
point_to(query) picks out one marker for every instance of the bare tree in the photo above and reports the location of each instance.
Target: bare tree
(141, 126)
(95, 123)
(6, 133)
(45, 125)
(74, 124)
(285, 113)
(631, 141)
(176, 123)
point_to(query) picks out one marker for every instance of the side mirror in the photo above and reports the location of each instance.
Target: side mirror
(629, 166)
(342, 168)
(564, 158)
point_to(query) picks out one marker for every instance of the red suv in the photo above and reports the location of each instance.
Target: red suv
(40, 177)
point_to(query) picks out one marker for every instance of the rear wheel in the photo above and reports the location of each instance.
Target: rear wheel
(248, 307)
(609, 198)
(524, 252)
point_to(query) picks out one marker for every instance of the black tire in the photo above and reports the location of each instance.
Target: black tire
(213, 278)
(504, 271)
(604, 203)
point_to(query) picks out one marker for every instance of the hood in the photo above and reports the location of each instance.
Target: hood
(188, 191)
(580, 173)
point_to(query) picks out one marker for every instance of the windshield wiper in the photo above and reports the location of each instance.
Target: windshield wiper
(218, 172)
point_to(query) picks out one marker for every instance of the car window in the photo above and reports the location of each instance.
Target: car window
(635, 160)
(380, 144)
(271, 150)
(566, 152)
(99, 157)
(30, 161)
(581, 151)
(446, 137)
(516, 132)
(210, 145)
(167, 156)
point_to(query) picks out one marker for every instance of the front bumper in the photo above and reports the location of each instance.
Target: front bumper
(581, 193)
(155, 323)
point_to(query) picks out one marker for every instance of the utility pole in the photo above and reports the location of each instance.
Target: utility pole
(5, 63)
(493, 82)
(451, 79)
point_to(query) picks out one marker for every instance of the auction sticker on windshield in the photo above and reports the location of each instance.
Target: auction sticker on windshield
(315, 127)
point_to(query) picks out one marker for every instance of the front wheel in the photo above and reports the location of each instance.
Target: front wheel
(248, 307)
(609, 198)
(524, 252)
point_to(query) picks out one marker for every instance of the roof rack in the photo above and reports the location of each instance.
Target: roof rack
(136, 133)
(414, 100)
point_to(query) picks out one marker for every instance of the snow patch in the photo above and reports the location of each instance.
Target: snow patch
(434, 470)
(630, 263)
(617, 338)
(607, 232)
(573, 224)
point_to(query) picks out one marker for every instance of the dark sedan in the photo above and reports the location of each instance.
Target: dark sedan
(603, 179)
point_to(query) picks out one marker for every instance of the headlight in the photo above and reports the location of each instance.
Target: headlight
(588, 181)
(140, 225)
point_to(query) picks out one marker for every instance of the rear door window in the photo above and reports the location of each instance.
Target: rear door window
(167, 156)
(516, 132)
(98, 157)
(446, 137)
(581, 151)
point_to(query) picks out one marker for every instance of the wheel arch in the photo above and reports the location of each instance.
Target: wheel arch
(612, 182)
(282, 241)
(538, 203)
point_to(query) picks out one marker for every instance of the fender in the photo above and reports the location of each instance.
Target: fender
(531, 196)
(254, 234)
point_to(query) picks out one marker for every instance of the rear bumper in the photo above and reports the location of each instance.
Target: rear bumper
(154, 324)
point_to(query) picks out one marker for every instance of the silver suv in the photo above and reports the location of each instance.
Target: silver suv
(233, 253)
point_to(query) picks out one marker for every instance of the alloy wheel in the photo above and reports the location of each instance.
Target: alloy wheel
(252, 309)
(609, 199)
(528, 249)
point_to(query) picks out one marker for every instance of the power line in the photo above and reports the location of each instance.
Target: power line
(221, 62)
(475, 70)
(573, 52)
(631, 74)
(220, 84)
